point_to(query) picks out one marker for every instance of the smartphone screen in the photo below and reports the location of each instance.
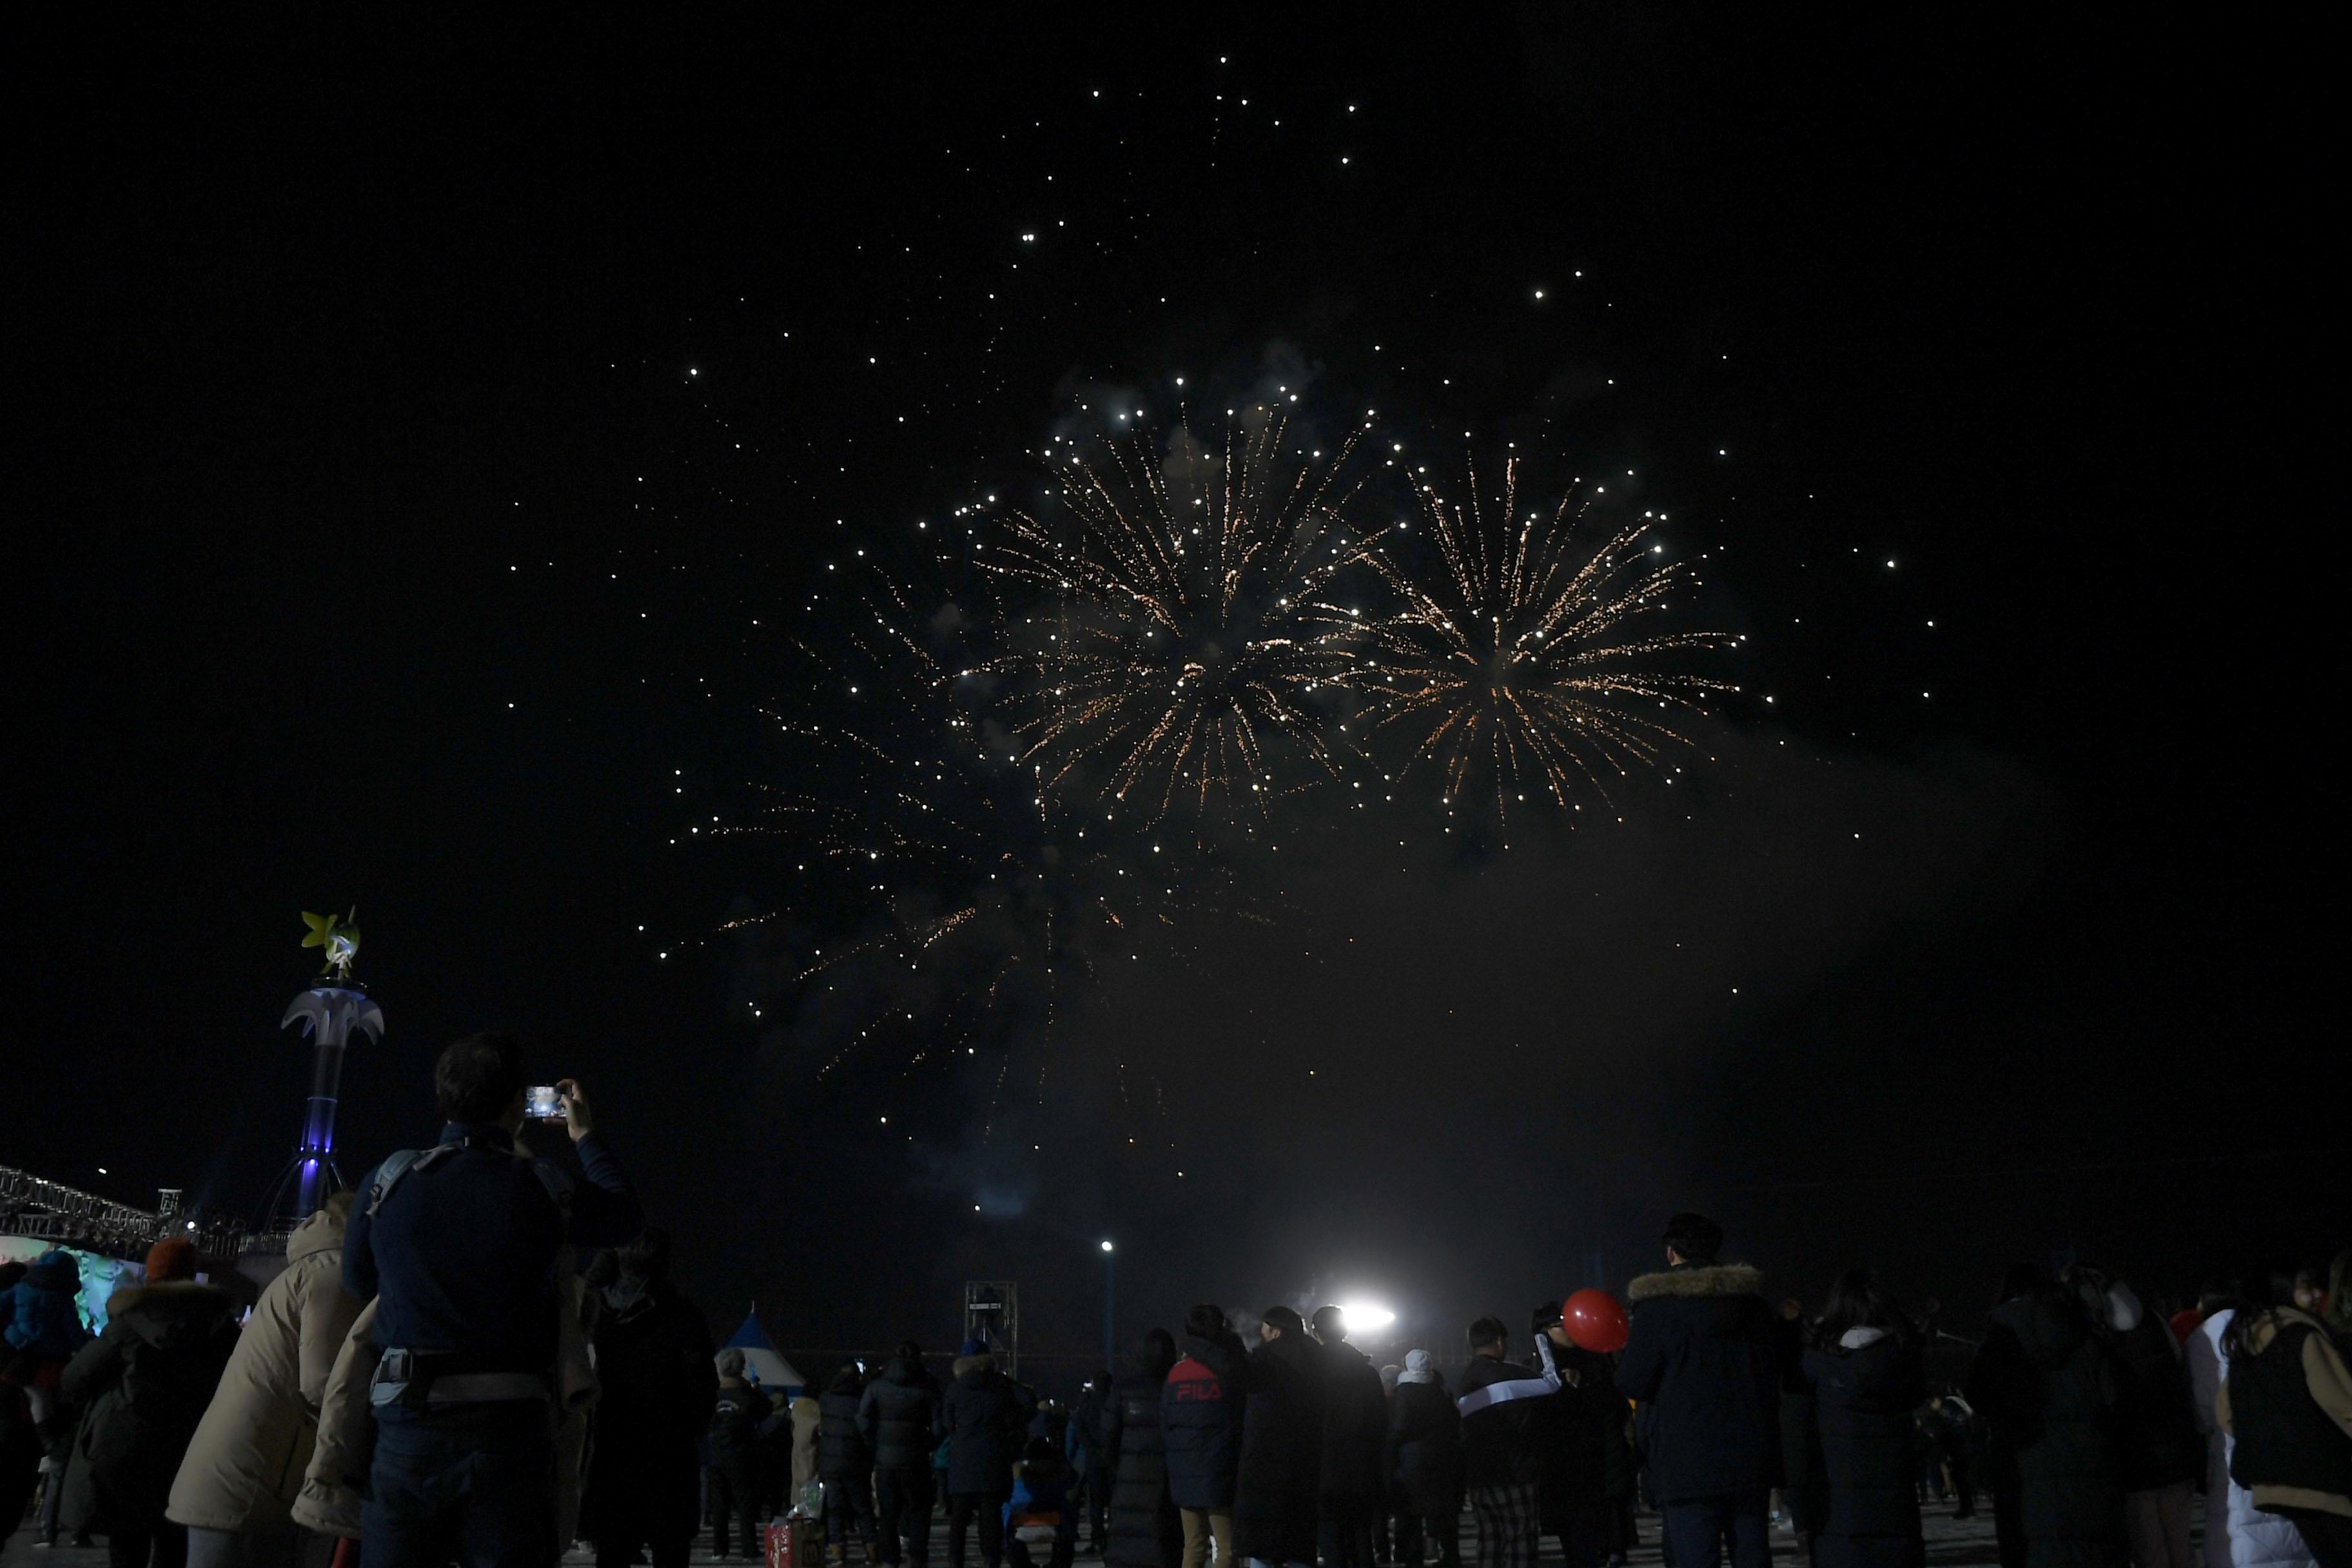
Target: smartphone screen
(542, 1104)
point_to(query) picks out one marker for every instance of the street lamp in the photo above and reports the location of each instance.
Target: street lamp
(1109, 1335)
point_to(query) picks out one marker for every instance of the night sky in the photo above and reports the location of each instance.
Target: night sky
(448, 444)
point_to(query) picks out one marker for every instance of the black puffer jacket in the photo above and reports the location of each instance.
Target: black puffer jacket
(985, 1420)
(1201, 1412)
(841, 1453)
(1428, 1430)
(1580, 1433)
(144, 1385)
(1865, 1389)
(899, 1416)
(1705, 1360)
(1355, 1424)
(1145, 1532)
(1276, 1490)
(2046, 1387)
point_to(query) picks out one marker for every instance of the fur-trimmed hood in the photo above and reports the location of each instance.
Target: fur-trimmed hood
(1697, 1279)
(172, 1313)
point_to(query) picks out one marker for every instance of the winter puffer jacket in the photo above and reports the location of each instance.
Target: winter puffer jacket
(2248, 1538)
(244, 1469)
(1276, 1486)
(1145, 1532)
(899, 1416)
(144, 1385)
(841, 1450)
(44, 1310)
(1428, 1429)
(1865, 1390)
(1200, 1412)
(1705, 1360)
(984, 1420)
(2046, 1387)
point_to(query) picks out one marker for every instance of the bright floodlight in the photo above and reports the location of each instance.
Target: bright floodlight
(1363, 1316)
(1105, 1247)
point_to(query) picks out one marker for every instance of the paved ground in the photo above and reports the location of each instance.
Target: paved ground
(1951, 1543)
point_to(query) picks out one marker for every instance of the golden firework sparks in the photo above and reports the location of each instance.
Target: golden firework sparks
(1522, 663)
(1186, 619)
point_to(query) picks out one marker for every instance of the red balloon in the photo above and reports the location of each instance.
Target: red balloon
(2185, 1322)
(1595, 1319)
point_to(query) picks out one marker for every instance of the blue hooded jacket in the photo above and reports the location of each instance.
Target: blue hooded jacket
(45, 1315)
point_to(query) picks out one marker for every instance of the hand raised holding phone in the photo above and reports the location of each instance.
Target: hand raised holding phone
(578, 1120)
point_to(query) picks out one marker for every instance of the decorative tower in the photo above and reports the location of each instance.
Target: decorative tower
(334, 1006)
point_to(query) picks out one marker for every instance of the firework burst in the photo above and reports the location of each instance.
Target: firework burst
(964, 912)
(1521, 665)
(1185, 634)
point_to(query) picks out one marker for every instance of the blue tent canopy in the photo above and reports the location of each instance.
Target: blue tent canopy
(761, 1362)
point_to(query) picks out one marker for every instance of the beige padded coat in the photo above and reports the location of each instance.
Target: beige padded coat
(245, 1464)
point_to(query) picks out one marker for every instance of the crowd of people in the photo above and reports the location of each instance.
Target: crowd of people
(427, 1383)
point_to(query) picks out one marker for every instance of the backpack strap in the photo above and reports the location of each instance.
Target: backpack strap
(398, 1163)
(559, 1188)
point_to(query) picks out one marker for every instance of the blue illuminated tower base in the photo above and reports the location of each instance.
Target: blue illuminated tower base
(329, 1014)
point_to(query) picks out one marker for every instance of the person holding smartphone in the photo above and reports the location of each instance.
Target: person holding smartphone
(458, 1246)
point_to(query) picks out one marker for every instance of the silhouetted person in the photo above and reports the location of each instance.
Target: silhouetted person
(235, 1488)
(1501, 1467)
(1355, 1439)
(458, 1246)
(144, 1385)
(1201, 1408)
(737, 1461)
(845, 1466)
(1280, 1482)
(2287, 1404)
(2156, 1439)
(986, 1421)
(899, 1418)
(658, 1388)
(1427, 1430)
(1580, 1433)
(1867, 1377)
(2046, 1386)
(1705, 1360)
(1145, 1532)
